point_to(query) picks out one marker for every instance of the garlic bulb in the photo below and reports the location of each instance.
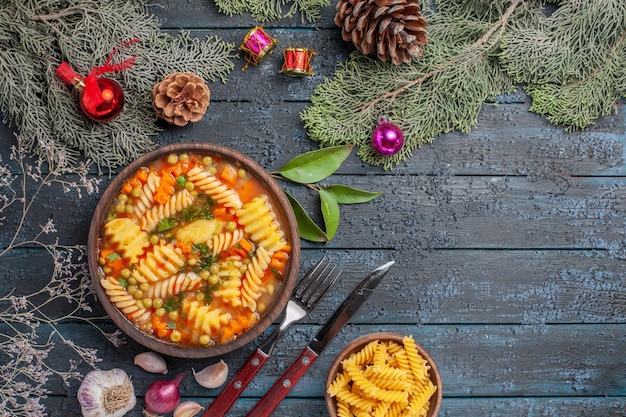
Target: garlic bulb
(106, 394)
(187, 409)
(151, 362)
(212, 376)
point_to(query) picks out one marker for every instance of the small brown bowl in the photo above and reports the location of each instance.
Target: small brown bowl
(281, 208)
(360, 343)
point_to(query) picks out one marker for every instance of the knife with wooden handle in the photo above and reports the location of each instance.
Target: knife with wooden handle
(340, 317)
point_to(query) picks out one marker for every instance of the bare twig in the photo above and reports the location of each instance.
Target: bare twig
(60, 15)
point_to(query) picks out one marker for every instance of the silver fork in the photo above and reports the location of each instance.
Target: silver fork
(307, 294)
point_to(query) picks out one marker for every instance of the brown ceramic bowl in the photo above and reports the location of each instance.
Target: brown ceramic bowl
(281, 208)
(360, 343)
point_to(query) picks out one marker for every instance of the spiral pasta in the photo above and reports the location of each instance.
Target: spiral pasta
(253, 279)
(146, 200)
(130, 240)
(174, 285)
(209, 184)
(151, 218)
(383, 379)
(124, 301)
(258, 221)
(163, 262)
(222, 242)
(203, 318)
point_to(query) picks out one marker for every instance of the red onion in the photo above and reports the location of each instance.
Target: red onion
(163, 396)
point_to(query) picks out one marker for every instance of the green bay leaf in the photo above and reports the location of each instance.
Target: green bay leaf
(348, 195)
(330, 212)
(311, 167)
(307, 228)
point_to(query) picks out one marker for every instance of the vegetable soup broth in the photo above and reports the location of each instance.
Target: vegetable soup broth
(192, 252)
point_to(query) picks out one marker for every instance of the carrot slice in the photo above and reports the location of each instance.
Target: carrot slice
(229, 174)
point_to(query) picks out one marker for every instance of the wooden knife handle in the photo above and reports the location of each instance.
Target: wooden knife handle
(281, 388)
(220, 406)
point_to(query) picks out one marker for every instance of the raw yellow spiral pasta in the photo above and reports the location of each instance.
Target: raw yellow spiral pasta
(383, 379)
(419, 367)
(343, 409)
(209, 184)
(365, 355)
(370, 389)
(357, 401)
(258, 221)
(338, 383)
(151, 218)
(130, 240)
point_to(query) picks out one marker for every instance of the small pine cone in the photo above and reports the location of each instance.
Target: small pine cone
(182, 97)
(386, 29)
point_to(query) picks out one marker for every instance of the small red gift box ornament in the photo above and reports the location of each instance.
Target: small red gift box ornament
(101, 99)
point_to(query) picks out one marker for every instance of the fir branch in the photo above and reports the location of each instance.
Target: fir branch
(271, 10)
(36, 36)
(570, 61)
(442, 91)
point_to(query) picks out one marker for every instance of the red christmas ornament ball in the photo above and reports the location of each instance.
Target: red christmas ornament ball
(387, 138)
(112, 101)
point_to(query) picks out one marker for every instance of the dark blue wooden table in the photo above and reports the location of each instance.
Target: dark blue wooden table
(509, 242)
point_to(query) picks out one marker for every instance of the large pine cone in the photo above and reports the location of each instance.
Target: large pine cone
(387, 29)
(182, 97)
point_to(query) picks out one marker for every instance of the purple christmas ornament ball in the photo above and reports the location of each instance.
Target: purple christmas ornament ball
(387, 138)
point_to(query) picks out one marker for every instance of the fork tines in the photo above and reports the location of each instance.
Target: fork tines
(315, 281)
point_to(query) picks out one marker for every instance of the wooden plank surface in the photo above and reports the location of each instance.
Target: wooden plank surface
(510, 243)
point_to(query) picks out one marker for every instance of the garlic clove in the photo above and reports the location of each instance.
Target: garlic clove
(187, 409)
(212, 376)
(106, 393)
(151, 362)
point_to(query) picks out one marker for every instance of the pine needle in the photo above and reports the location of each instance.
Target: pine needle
(272, 10)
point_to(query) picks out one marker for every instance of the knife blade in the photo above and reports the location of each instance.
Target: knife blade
(311, 352)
